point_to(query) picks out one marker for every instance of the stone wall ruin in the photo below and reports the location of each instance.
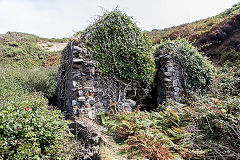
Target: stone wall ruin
(84, 90)
(168, 77)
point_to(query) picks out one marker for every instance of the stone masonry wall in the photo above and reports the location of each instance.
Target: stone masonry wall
(91, 91)
(64, 91)
(168, 79)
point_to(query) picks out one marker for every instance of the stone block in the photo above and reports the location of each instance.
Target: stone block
(176, 94)
(76, 66)
(170, 64)
(77, 60)
(76, 48)
(176, 89)
(74, 102)
(169, 93)
(132, 103)
(76, 111)
(169, 88)
(92, 70)
(81, 99)
(169, 83)
(175, 82)
(170, 69)
(91, 100)
(80, 93)
(95, 83)
(98, 105)
(75, 83)
(168, 74)
(167, 80)
(91, 63)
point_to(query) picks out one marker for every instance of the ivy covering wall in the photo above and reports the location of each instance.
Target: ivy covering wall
(121, 48)
(197, 70)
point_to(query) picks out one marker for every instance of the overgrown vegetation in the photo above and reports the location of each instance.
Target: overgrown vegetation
(22, 50)
(121, 48)
(40, 79)
(195, 30)
(204, 125)
(204, 128)
(29, 128)
(152, 135)
(197, 71)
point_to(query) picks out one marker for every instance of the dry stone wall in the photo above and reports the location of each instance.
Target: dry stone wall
(168, 79)
(88, 90)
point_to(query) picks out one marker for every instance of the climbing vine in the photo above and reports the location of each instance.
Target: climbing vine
(198, 70)
(121, 48)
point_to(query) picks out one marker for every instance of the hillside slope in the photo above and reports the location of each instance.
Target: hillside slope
(218, 35)
(28, 50)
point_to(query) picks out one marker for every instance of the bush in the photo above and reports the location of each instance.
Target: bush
(121, 48)
(29, 129)
(37, 79)
(226, 83)
(198, 70)
(216, 126)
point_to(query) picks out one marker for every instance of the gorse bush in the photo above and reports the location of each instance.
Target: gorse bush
(121, 48)
(29, 129)
(198, 71)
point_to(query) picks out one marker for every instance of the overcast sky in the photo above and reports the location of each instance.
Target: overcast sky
(60, 18)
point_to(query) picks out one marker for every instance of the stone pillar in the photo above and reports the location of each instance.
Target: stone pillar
(168, 79)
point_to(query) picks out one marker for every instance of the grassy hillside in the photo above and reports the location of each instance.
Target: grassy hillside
(194, 30)
(23, 50)
(217, 36)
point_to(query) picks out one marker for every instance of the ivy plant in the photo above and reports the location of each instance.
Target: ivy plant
(121, 48)
(198, 70)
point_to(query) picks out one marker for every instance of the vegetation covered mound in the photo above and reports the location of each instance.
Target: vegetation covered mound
(198, 72)
(121, 48)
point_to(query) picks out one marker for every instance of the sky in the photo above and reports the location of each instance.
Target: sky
(62, 18)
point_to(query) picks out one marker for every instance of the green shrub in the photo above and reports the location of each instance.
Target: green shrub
(199, 71)
(29, 129)
(121, 48)
(217, 126)
(36, 79)
(226, 83)
(41, 79)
